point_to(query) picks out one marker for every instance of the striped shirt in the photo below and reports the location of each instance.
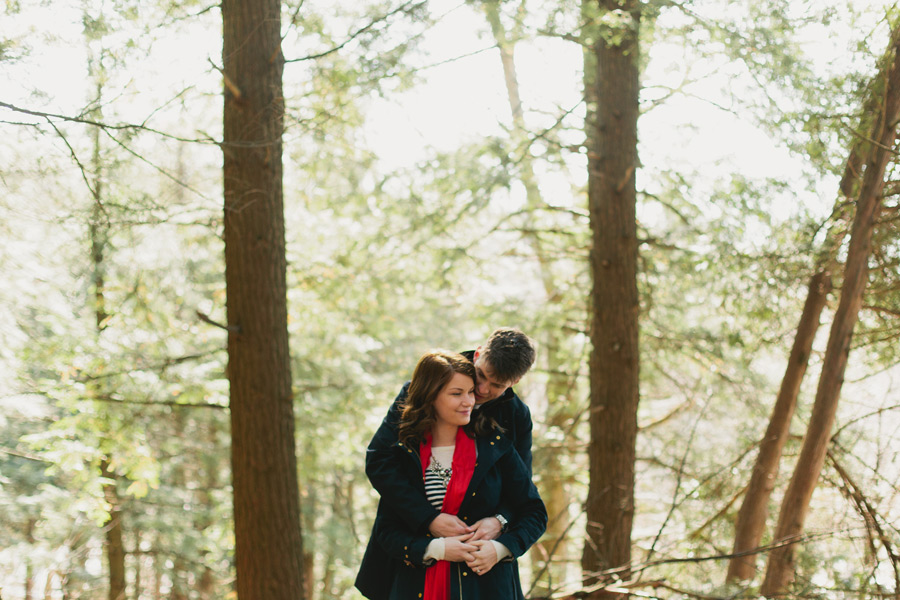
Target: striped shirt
(437, 475)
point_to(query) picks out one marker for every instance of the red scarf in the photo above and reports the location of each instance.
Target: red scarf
(437, 576)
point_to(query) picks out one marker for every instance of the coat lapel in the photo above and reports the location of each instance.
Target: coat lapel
(490, 448)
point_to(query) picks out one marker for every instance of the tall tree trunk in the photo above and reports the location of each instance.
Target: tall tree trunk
(780, 568)
(268, 540)
(547, 566)
(611, 94)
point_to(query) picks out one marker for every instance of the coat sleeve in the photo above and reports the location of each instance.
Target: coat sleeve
(386, 474)
(521, 418)
(520, 494)
(524, 428)
(397, 540)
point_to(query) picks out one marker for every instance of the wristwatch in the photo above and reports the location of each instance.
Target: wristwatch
(504, 524)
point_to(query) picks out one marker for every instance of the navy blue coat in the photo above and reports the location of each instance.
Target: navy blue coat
(392, 568)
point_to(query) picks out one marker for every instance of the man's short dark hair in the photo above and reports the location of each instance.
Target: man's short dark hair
(509, 352)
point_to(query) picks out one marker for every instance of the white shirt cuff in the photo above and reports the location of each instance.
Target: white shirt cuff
(435, 550)
(502, 551)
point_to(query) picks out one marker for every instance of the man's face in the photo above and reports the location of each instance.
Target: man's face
(487, 386)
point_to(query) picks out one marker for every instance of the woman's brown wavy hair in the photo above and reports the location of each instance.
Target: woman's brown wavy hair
(433, 371)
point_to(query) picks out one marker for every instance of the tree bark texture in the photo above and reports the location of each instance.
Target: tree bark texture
(268, 541)
(611, 93)
(751, 521)
(795, 505)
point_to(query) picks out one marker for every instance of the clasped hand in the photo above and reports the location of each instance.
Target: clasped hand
(479, 555)
(470, 545)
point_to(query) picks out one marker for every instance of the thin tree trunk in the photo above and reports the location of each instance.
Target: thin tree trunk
(611, 94)
(48, 585)
(179, 479)
(115, 548)
(29, 566)
(29, 578)
(137, 559)
(71, 583)
(99, 234)
(158, 568)
(559, 387)
(794, 507)
(207, 585)
(310, 494)
(268, 540)
(751, 519)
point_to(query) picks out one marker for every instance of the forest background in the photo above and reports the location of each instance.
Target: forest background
(430, 197)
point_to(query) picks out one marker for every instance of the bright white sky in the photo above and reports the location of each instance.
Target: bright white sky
(466, 98)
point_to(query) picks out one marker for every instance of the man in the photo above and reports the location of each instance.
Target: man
(505, 357)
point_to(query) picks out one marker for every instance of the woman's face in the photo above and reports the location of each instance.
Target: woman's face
(453, 405)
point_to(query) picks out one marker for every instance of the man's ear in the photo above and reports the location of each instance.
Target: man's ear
(514, 382)
(477, 353)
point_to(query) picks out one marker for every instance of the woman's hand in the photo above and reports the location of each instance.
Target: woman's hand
(457, 550)
(484, 558)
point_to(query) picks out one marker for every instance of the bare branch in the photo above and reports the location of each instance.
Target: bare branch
(156, 167)
(408, 6)
(863, 417)
(74, 156)
(206, 319)
(171, 403)
(870, 516)
(678, 477)
(108, 126)
(18, 454)
(158, 367)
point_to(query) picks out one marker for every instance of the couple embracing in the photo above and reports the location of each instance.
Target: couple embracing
(452, 463)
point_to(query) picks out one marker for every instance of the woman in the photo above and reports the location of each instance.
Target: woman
(465, 466)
